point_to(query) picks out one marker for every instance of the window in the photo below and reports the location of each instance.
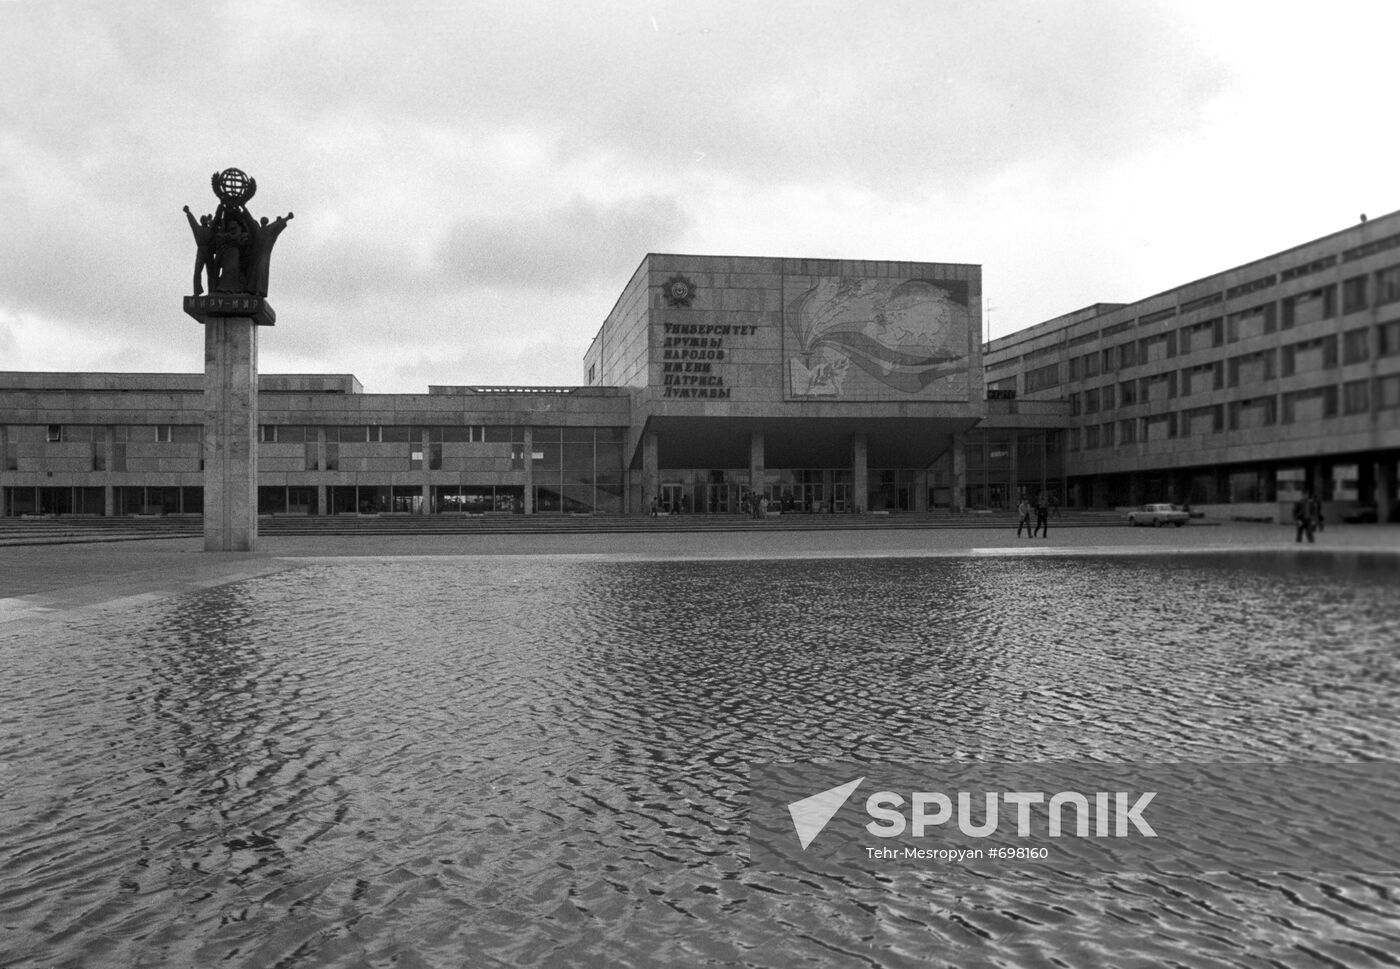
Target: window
(1309, 355)
(1091, 402)
(1159, 427)
(1199, 336)
(1356, 346)
(1388, 286)
(592, 368)
(55, 433)
(1388, 338)
(1042, 378)
(1127, 390)
(164, 433)
(456, 434)
(1201, 421)
(1251, 368)
(1127, 432)
(1309, 405)
(1201, 378)
(1107, 393)
(1091, 437)
(1354, 294)
(1250, 323)
(1127, 354)
(1305, 308)
(1075, 406)
(1157, 348)
(1258, 412)
(1388, 392)
(1107, 435)
(1356, 397)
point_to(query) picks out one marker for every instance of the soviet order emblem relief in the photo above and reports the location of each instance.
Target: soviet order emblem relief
(679, 291)
(233, 253)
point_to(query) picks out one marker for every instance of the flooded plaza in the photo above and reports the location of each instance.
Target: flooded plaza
(544, 761)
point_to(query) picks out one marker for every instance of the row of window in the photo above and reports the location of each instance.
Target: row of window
(1296, 407)
(299, 434)
(1305, 356)
(1358, 293)
(1209, 333)
(94, 433)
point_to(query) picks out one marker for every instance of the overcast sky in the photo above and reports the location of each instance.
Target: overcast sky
(474, 183)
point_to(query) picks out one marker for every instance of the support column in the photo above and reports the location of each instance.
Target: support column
(230, 434)
(529, 458)
(756, 468)
(651, 472)
(1385, 486)
(1013, 459)
(109, 497)
(425, 442)
(860, 473)
(957, 497)
(921, 490)
(321, 468)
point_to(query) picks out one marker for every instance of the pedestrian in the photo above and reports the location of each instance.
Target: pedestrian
(653, 507)
(1024, 510)
(1042, 517)
(1305, 510)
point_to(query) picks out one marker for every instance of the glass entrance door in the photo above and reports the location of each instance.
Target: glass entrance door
(841, 496)
(671, 498)
(810, 496)
(717, 499)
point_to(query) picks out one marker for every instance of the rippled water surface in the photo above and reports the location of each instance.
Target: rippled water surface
(453, 762)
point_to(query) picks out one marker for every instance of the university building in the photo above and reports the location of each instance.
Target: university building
(822, 386)
(1234, 394)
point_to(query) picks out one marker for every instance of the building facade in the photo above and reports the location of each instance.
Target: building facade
(1235, 393)
(719, 383)
(716, 383)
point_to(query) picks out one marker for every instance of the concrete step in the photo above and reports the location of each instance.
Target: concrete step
(48, 530)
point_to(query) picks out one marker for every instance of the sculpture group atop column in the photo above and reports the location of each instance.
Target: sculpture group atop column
(233, 251)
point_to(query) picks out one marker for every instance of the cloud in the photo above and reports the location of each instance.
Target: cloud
(577, 243)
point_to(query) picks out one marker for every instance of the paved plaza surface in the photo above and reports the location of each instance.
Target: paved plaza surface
(48, 579)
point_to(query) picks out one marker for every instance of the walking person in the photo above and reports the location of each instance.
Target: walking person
(1305, 512)
(1042, 517)
(1024, 510)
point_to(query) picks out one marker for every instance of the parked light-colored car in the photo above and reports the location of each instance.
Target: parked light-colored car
(1156, 515)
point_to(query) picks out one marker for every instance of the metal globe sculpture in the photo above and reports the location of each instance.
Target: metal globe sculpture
(233, 186)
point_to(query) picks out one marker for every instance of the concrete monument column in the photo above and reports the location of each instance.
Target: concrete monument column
(860, 472)
(233, 254)
(651, 471)
(230, 434)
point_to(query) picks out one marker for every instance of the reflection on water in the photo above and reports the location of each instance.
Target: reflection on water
(533, 763)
